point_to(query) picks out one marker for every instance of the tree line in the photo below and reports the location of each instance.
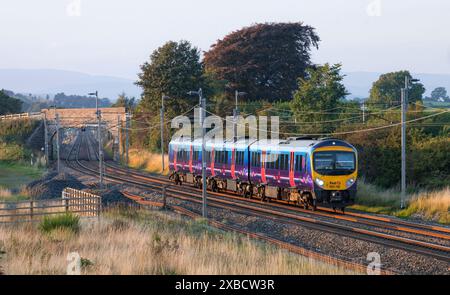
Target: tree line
(271, 63)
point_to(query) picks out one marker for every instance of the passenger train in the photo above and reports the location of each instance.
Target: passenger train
(304, 171)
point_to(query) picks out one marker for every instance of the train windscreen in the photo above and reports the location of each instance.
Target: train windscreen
(334, 163)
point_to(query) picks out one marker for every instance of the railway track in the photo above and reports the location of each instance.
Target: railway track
(360, 218)
(370, 220)
(279, 213)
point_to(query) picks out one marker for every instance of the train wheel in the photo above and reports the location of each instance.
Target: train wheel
(177, 179)
(314, 205)
(214, 186)
(262, 193)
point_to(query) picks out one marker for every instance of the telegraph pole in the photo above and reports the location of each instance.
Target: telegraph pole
(57, 142)
(364, 111)
(204, 195)
(163, 97)
(46, 140)
(99, 139)
(404, 101)
(117, 140)
(202, 103)
(127, 140)
(236, 112)
(235, 115)
(100, 149)
(403, 181)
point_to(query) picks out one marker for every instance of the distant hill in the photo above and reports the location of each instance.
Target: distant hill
(359, 83)
(43, 82)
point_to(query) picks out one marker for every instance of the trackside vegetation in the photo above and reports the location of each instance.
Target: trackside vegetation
(129, 241)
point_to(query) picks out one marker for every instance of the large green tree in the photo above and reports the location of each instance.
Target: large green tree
(321, 90)
(264, 60)
(439, 92)
(386, 91)
(9, 105)
(173, 70)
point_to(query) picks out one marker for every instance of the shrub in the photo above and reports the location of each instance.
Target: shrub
(17, 130)
(67, 221)
(12, 152)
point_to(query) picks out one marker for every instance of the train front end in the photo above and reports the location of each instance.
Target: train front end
(335, 172)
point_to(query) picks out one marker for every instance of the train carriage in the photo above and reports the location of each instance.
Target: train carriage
(305, 171)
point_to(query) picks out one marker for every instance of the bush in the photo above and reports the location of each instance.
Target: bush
(379, 157)
(67, 221)
(17, 130)
(12, 152)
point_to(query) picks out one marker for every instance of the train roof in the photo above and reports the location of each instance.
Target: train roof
(301, 143)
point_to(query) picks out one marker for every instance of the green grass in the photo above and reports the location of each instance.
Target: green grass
(67, 221)
(15, 175)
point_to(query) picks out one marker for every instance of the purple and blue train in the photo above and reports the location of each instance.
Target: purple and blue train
(304, 171)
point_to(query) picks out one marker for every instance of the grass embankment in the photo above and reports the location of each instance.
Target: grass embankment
(147, 161)
(145, 242)
(426, 205)
(14, 177)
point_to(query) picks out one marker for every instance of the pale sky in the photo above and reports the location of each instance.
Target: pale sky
(112, 37)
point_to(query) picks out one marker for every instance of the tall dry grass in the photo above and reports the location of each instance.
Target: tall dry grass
(426, 205)
(5, 193)
(148, 243)
(433, 206)
(147, 161)
(8, 195)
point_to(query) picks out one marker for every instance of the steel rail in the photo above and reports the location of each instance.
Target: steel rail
(378, 221)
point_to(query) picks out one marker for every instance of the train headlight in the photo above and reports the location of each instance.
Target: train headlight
(350, 182)
(320, 182)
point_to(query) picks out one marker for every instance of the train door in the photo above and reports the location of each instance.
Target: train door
(291, 169)
(263, 167)
(233, 163)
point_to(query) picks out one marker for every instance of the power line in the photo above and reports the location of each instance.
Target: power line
(346, 132)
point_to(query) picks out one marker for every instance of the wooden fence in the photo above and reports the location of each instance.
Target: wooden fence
(20, 116)
(73, 201)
